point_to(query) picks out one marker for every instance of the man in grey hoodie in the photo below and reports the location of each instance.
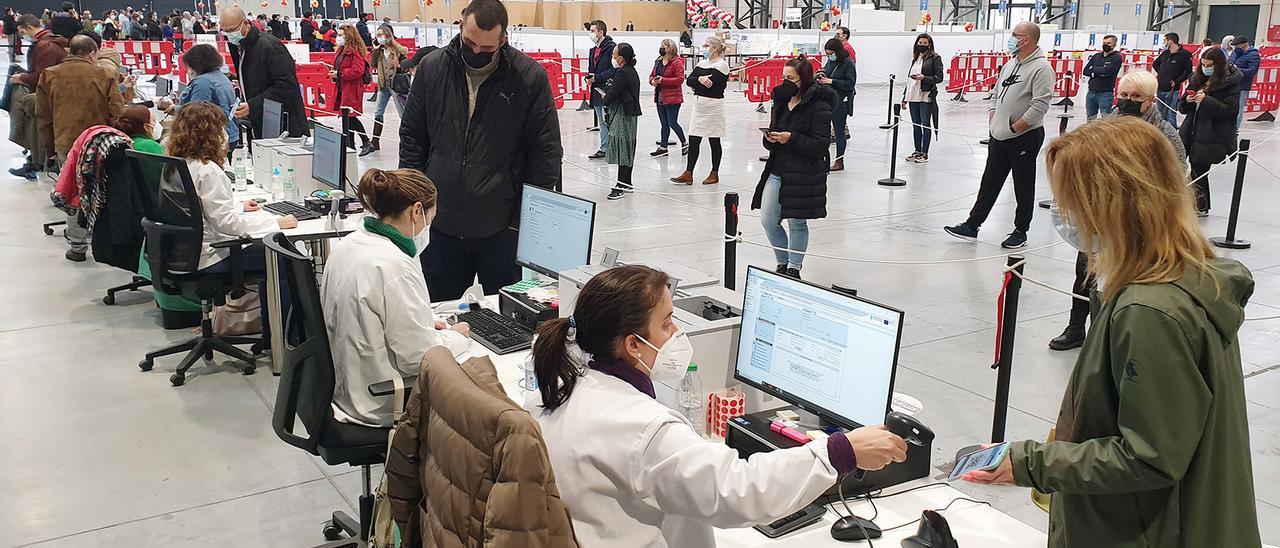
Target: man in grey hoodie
(1017, 132)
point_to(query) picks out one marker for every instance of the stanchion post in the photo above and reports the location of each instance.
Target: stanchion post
(346, 128)
(730, 240)
(1004, 368)
(892, 179)
(888, 123)
(1230, 241)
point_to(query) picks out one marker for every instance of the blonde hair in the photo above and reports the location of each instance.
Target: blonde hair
(715, 44)
(1144, 80)
(1120, 183)
(671, 49)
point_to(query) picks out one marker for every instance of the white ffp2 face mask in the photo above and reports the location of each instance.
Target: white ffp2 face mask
(1068, 230)
(422, 239)
(672, 361)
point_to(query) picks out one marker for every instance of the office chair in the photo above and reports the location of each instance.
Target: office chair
(174, 225)
(306, 392)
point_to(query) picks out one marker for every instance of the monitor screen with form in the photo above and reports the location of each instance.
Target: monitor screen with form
(824, 351)
(271, 114)
(555, 231)
(327, 157)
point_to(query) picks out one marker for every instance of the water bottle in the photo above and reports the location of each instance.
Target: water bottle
(290, 190)
(691, 400)
(242, 178)
(274, 185)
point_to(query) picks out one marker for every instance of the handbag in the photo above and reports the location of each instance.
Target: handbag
(400, 82)
(240, 316)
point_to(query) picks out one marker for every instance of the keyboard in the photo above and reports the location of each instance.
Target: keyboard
(290, 208)
(496, 332)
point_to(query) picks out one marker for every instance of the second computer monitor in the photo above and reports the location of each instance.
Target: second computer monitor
(163, 86)
(555, 231)
(328, 159)
(271, 115)
(827, 352)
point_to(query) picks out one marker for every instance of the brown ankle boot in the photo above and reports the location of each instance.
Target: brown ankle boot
(712, 178)
(685, 178)
(838, 165)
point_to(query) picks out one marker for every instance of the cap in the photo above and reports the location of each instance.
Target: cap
(1240, 40)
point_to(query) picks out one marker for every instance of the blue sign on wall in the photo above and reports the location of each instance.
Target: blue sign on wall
(1124, 39)
(1075, 7)
(1093, 39)
(1168, 12)
(1137, 9)
(1003, 6)
(1057, 40)
(924, 5)
(1039, 7)
(1106, 8)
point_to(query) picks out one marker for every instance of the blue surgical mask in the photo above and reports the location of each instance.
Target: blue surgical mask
(234, 37)
(1067, 230)
(1208, 70)
(1013, 44)
(706, 51)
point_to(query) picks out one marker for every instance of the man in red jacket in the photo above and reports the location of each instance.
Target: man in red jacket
(47, 50)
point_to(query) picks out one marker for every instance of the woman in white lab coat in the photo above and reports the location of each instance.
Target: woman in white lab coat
(634, 472)
(376, 307)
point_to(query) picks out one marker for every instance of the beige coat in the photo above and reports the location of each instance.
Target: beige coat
(73, 96)
(468, 466)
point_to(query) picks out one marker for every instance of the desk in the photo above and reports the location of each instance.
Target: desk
(316, 233)
(973, 524)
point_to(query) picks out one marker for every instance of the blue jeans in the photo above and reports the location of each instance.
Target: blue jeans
(1244, 100)
(1098, 101)
(604, 128)
(1169, 104)
(669, 117)
(771, 220)
(385, 95)
(839, 114)
(922, 124)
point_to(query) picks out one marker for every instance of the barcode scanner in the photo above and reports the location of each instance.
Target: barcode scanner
(908, 428)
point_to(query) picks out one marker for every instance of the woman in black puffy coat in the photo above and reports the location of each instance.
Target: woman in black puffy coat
(1212, 104)
(794, 183)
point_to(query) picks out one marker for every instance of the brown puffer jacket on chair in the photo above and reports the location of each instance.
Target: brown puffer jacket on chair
(468, 466)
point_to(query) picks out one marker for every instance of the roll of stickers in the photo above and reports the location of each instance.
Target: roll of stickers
(723, 405)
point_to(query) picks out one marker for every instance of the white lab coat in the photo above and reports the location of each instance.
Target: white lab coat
(633, 472)
(380, 323)
(224, 217)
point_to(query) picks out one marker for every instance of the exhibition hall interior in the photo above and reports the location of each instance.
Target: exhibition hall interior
(614, 273)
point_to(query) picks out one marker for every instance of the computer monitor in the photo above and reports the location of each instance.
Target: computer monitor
(555, 231)
(328, 159)
(829, 353)
(163, 86)
(271, 115)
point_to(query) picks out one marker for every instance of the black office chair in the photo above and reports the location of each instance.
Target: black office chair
(174, 225)
(306, 392)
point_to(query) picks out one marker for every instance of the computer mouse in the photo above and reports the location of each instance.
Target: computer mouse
(851, 528)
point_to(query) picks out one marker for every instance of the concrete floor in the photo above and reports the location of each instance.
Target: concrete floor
(99, 454)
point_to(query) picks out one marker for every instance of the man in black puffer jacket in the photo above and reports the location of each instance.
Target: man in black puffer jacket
(481, 122)
(266, 71)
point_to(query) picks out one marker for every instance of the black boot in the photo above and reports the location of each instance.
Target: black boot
(1071, 337)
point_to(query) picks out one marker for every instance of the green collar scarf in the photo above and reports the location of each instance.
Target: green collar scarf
(403, 242)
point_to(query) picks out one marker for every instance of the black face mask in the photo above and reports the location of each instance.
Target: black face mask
(1129, 107)
(1106, 48)
(785, 91)
(662, 52)
(476, 60)
(921, 49)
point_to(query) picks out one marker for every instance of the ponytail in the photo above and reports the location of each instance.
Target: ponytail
(556, 372)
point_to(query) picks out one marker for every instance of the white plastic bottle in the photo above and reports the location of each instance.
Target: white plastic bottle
(290, 190)
(691, 397)
(242, 178)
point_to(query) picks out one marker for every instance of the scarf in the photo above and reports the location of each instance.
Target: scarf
(91, 173)
(405, 243)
